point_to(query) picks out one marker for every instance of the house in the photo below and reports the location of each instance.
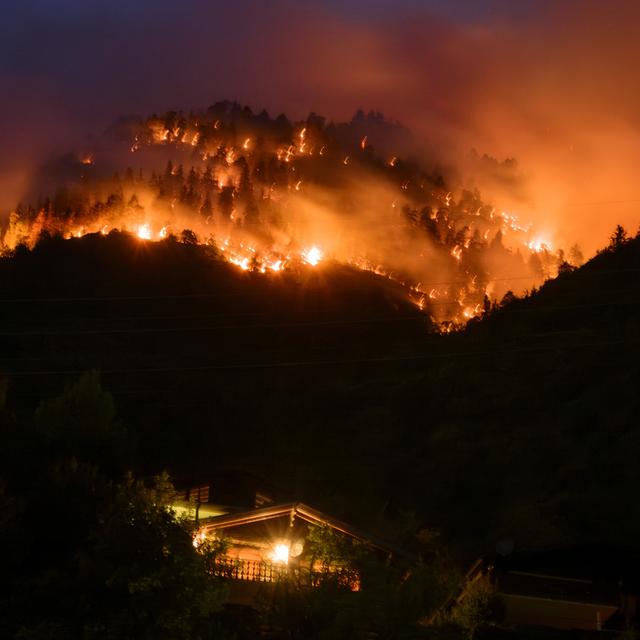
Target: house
(590, 589)
(220, 493)
(269, 543)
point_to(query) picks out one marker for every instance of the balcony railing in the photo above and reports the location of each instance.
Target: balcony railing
(252, 570)
(260, 571)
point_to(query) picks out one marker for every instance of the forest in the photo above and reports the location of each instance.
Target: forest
(297, 302)
(329, 383)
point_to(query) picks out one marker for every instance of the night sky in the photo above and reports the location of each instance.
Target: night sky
(546, 82)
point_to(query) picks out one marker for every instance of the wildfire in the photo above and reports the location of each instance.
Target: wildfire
(144, 232)
(312, 256)
(471, 312)
(538, 245)
(253, 205)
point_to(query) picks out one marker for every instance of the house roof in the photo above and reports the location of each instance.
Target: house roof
(299, 510)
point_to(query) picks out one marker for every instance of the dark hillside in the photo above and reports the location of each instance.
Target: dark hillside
(329, 382)
(536, 426)
(204, 359)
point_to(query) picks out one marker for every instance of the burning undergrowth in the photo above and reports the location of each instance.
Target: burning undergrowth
(272, 195)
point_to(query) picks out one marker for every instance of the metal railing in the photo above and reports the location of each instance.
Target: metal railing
(261, 571)
(252, 570)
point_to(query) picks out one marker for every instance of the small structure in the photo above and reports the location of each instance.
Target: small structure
(221, 493)
(558, 601)
(270, 543)
(583, 588)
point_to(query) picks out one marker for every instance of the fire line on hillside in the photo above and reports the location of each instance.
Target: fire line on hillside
(271, 195)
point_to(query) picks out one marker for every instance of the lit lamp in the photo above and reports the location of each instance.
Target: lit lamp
(199, 538)
(280, 553)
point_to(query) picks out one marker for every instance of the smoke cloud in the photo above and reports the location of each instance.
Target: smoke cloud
(550, 84)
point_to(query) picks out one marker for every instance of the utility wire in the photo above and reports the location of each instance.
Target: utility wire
(292, 324)
(238, 294)
(322, 363)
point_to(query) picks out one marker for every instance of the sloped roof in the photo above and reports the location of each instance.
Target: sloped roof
(299, 510)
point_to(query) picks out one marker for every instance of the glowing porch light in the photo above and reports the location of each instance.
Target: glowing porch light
(280, 553)
(199, 538)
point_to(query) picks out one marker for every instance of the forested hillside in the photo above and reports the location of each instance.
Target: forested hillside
(329, 383)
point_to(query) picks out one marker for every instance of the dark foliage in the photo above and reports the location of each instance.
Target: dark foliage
(327, 382)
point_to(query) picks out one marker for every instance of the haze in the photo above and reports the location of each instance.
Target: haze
(549, 83)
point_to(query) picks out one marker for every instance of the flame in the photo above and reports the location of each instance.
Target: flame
(287, 245)
(243, 263)
(144, 232)
(312, 256)
(539, 244)
(471, 312)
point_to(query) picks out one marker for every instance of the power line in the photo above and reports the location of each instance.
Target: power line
(539, 308)
(322, 363)
(417, 318)
(237, 294)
